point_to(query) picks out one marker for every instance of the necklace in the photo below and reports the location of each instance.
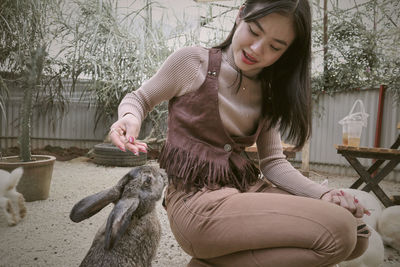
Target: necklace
(246, 81)
(249, 82)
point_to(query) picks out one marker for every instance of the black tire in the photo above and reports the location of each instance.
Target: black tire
(110, 155)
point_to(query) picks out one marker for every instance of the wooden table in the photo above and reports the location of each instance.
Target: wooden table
(251, 152)
(391, 156)
(288, 150)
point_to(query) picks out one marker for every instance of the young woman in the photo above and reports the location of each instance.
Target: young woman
(252, 87)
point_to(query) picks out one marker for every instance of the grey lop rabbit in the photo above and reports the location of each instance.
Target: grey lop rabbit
(131, 235)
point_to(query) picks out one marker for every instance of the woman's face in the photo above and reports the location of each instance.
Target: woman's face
(260, 43)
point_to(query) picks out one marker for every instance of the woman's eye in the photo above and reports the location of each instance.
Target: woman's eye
(274, 48)
(252, 32)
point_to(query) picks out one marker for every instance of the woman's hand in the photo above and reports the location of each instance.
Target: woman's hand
(123, 134)
(346, 201)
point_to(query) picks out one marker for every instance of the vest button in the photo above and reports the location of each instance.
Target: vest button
(227, 147)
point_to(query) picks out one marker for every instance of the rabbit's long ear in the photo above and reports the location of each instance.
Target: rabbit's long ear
(119, 220)
(16, 176)
(90, 205)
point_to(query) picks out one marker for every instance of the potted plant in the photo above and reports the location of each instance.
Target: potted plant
(24, 58)
(110, 80)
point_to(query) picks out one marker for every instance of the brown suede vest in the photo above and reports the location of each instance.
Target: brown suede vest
(198, 151)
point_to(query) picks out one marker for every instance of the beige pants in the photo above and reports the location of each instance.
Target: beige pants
(265, 226)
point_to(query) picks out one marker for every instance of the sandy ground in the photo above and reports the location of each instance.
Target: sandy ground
(47, 237)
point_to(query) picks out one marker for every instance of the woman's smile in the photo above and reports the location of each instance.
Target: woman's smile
(247, 59)
(258, 44)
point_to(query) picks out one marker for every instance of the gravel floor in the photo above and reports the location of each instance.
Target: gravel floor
(47, 237)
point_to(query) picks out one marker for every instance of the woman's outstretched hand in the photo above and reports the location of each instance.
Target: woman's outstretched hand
(346, 201)
(123, 134)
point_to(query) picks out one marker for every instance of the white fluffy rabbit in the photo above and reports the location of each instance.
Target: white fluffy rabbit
(389, 226)
(372, 257)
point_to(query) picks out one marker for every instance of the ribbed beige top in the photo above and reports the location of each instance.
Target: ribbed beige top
(184, 71)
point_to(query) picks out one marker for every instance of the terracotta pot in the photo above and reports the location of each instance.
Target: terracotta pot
(35, 182)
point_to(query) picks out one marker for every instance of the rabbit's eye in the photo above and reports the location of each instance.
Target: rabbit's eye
(148, 181)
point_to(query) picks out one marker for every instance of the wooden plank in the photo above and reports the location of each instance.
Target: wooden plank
(288, 150)
(370, 155)
(366, 176)
(377, 150)
(289, 153)
(288, 147)
(396, 143)
(252, 148)
(383, 198)
(305, 159)
(370, 170)
(357, 183)
(369, 181)
(382, 173)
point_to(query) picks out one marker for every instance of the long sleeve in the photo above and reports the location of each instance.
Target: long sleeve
(279, 171)
(180, 73)
(183, 72)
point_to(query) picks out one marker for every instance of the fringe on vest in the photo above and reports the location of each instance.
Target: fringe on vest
(191, 171)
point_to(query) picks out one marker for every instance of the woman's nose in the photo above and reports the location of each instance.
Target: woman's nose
(257, 47)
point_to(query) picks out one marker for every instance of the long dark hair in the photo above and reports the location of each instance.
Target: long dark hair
(286, 83)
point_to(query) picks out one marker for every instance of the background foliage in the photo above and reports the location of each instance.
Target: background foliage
(362, 50)
(26, 27)
(115, 52)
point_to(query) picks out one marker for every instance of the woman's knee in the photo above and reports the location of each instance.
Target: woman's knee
(363, 235)
(360, 248)
(343, 230)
